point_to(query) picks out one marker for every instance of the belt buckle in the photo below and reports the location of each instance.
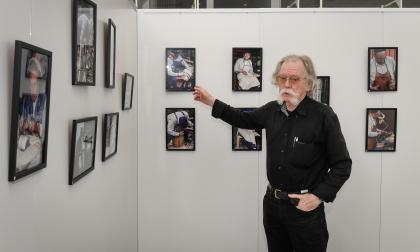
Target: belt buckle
(277, 196)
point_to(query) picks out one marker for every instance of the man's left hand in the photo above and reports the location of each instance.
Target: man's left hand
(307, 201)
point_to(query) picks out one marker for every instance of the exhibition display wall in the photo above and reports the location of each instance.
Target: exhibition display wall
(210, 199)
(41, 211)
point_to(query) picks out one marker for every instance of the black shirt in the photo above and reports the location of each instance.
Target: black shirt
(305, 149)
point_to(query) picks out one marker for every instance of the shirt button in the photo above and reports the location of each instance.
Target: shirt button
(285, 134)
(279, 168)
(282, 151)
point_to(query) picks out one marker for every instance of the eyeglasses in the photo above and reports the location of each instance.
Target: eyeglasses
(292, 79)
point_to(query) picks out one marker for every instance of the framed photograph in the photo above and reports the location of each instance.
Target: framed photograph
(322, 90)
(180, 129)
(30, 110)
(84, 43)
(382, 69)
(110, 55)
(247, 69)
(180, 69)
(246, 139)
(381, 129)
(127, 94)
(83, 147)
(110, 135)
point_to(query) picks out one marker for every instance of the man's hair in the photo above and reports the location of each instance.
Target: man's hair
(309, 68)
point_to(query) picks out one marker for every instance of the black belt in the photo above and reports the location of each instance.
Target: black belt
(283, 195)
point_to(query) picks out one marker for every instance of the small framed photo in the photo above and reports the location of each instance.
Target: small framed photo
(381, 129)
(110, 55)
(180, 69)
(110, 135)
(322, 90)
(180, 129)
(247, 69)
(246, 139)
(83, 148)
(30, 110)
(84, 43)
(127, 94)
(382, 69)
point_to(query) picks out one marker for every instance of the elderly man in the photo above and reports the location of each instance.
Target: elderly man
(382, 71)
(307, 157)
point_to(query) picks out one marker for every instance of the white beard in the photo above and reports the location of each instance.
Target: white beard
(294, 100)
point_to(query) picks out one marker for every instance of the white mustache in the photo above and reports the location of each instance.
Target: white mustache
(294, 100)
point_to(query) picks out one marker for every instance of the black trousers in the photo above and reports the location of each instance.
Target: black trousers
(289, 229)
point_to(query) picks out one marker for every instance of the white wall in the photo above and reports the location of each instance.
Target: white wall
(41, 212)
(211, 199)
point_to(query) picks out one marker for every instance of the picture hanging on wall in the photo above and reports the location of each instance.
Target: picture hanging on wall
(180, 129)
(83, 147)
(246, 139)
(30, 110)
(247, 69)
(180, 69)
(110, 135)
(322, 90)
(381, 126)
(110, 55)
(382, 69)
(84, 43)
(127, 94)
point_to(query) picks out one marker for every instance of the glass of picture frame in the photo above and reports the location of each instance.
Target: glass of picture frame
(381, 129)
(110, 135)
(30, 110)
(127, 94)
(382, 69)
(246, 139)
(110, 55)
(180, 69)
(180, 129)
(84, 43)
(247, 69)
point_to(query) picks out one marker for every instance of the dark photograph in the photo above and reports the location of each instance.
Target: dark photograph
(322, 90)
(383, 68)
(381, 126)
(127, 94)
(110, 55)
(180, 129)
(246, 139)
(110, 135)
(180, 69)
(84, 43)
(30, 110)
(246, 69)
(83, 146)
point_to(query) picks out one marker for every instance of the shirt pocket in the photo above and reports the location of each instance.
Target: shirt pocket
(304, 154)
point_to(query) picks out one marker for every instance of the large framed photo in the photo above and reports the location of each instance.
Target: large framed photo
(84, 43)
(322, 90)
(110, 135)
(246, 139)
(382, 69)
(127, 94)
(30, 110)
(381, 129)
(110, 55)
(247, 69)
(83, 148)
(180, 69)
(180, 129)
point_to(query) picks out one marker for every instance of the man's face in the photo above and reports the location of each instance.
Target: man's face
(292, 77)
(380, 57)
(33, 83)
(247, 56)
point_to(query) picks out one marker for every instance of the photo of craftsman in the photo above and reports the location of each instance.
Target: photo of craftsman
(381, 129)
(246, 69)
(32, 112)
(180, 69)
(246, 139)
(383, 68)
(180, 129)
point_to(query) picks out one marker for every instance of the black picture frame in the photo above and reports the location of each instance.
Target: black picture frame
(381, 130)
(174, 124)
(180, 69)
(387, 80)
(110, 135)
(253, 66)
(30, 110)
(241, 137)
(127, 93)
(83, 148)
(84, 43)
(322, 90)
(110, 54)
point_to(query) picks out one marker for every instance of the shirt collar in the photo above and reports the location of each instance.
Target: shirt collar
(301, 109)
